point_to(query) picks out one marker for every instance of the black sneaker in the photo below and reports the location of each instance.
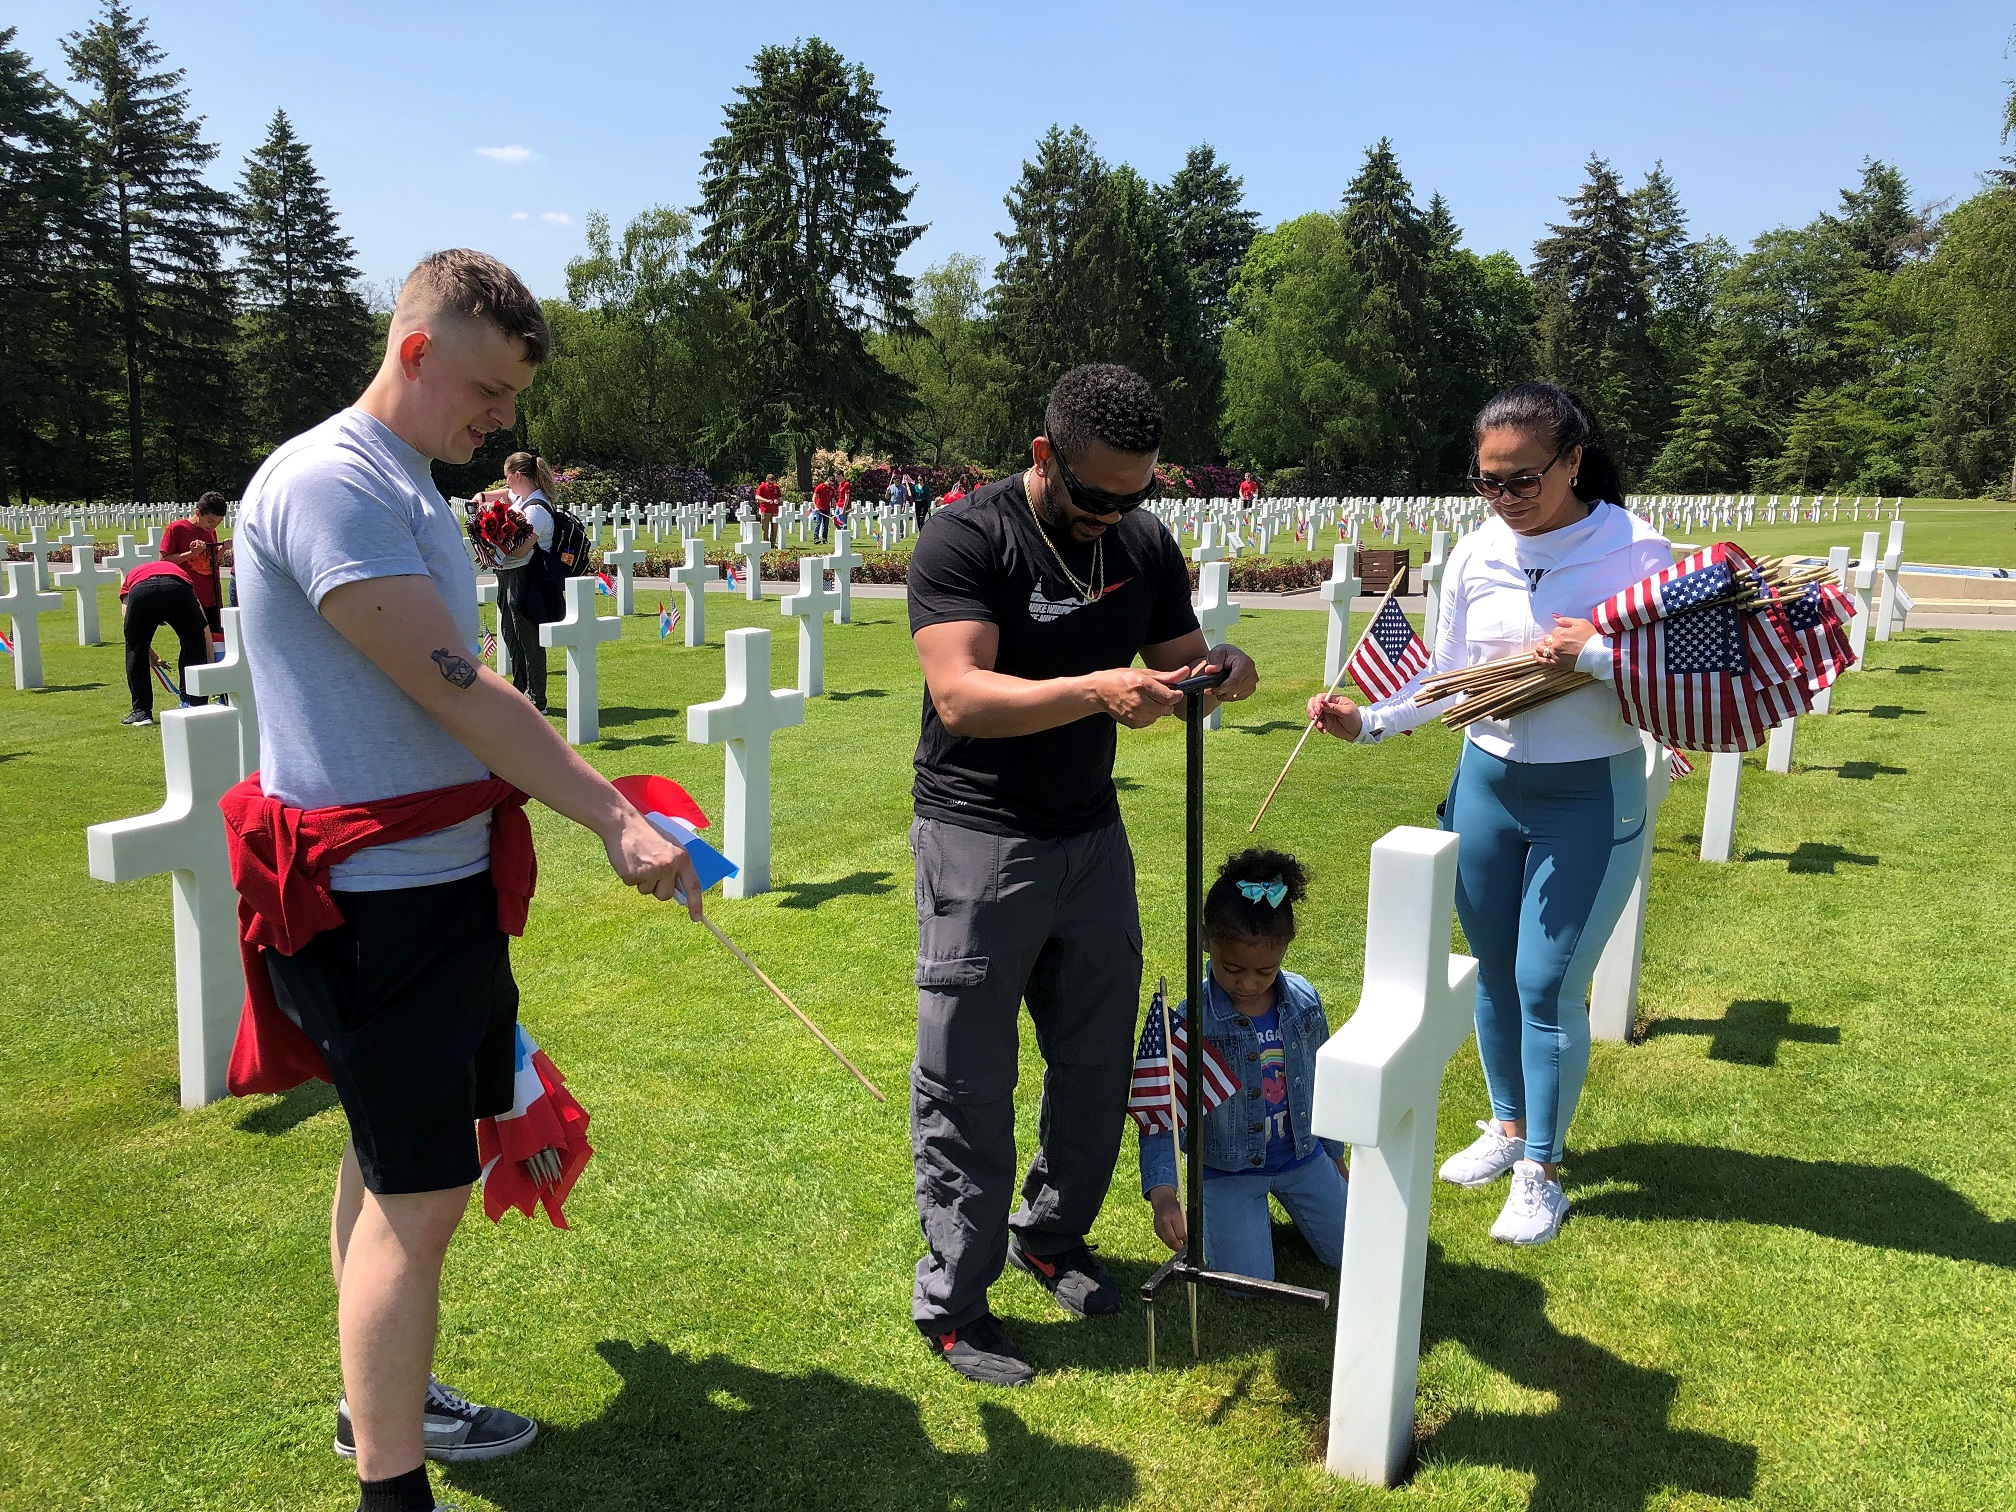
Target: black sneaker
(454, 1429)
(1074, 1277)
(982, 1352)
(138, 717)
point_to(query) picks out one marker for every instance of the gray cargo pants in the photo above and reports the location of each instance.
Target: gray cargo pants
(1001, 918)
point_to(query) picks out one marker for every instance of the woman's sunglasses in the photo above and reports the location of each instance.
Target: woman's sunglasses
(1521, 485)
(1097, 502)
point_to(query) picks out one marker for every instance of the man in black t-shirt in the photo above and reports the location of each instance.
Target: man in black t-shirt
(1029, 602)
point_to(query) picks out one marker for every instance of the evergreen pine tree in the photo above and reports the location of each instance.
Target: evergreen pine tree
(49, 344)
(307, 335)
(805, 225)
(1393, 247)
(164, 231)
(1877, 219)
(1214, 229)
(1145, 311)
(1594, 307)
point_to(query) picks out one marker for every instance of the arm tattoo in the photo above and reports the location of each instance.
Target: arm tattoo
(455, 668)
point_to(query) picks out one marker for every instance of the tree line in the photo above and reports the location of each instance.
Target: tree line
(160, 334)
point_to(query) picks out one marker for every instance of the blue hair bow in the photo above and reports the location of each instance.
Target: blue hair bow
(1273, 891)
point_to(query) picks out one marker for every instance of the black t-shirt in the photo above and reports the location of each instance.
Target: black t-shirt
(985, 558)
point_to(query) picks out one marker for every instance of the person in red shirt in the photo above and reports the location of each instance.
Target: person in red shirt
(1248, 491)
(768, 496)
(822, 509)
(191, 544)
(843, 503)
(156, 594)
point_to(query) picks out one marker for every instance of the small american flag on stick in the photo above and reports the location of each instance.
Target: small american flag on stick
(1389, 654)
(1148, 1095)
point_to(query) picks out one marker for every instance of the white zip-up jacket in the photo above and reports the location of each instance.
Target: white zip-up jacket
(1500, 593)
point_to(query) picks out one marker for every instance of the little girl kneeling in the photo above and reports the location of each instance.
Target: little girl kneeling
(1266, 1025)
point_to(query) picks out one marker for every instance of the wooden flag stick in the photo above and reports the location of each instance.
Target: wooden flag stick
(1392, 587)
(874, 1091)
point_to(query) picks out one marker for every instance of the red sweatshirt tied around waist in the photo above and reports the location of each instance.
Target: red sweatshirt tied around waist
(280, 860)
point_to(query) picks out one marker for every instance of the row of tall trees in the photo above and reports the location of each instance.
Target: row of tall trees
(138, 355)
(158, 333)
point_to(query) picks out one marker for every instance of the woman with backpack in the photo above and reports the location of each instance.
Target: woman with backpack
(527, 481)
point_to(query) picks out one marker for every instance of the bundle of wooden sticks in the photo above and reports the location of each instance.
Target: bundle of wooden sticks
(1513, 684)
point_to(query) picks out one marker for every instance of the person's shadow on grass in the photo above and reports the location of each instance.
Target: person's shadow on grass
(1887, 1207)
(687, 1432)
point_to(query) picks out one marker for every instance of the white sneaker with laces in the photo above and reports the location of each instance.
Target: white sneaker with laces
(1487, 1158)
(1534, 1209)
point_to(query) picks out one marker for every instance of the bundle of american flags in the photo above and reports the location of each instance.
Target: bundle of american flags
(1155, 1096)
(1708, 655)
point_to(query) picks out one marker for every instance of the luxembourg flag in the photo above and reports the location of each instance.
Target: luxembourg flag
(669, 807)
(605, 585)
(533, 1154)
(6, 644)
(668, 620)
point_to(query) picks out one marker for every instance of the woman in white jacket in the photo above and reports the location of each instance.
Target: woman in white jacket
(1550, 804)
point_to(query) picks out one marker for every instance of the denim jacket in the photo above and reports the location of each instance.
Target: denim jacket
(1235, 1132)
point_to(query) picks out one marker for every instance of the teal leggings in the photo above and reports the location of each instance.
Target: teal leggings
(1549, 853)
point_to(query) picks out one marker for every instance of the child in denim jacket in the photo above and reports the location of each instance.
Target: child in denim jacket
(1266, 1024)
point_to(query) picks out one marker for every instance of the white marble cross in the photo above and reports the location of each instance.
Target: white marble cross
(492, 592)
(1863, 591)
(1210, 545)
(692, 580)
(581, 630)
(748, 713)
(232, 676)
(1432, 572)
(86, 577)
(1837, 566)
(1888, 619)
(1216, 614)
(27, 602)
(185, 837)
(809, 606)
(1378, 1083)
(41, 548)
(842, 563)
(1337, 591)
(1778, 746)
(1718, 824)
(751, 548)
(1613, 992)
(621, 560)
(131, 554)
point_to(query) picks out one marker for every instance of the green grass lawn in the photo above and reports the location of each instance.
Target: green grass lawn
(1787, 1284)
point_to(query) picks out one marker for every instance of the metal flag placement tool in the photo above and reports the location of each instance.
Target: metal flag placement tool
(1190, 1265)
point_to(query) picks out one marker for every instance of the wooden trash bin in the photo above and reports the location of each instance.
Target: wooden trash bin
(1377, 569)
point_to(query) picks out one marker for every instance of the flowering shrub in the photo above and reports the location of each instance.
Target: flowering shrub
(1264, 575)
(649, 482)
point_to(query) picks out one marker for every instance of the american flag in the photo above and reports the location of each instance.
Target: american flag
(1818, 617)
(1678, 764)
(1148, 1092)
(1389, 654)
(489, 644)
(1696, 668)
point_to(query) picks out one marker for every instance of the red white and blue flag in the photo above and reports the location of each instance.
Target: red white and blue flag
(533, 1154)
(668, 621)
(1696, 664)
(6, 644)
(1389, 655)
(604, 584)
(1148, 1095)
(673, 812)
(1818, 616)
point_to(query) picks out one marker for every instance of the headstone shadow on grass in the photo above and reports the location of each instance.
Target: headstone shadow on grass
(1860, 771)
(1885, 1207)
(1606, 1445)
(713, 1432)
(1750, 1033)
(639, 740)
(290, 1109)
(1812, 858)
(858, 693)
(860, 884)
(1271, 727)
(624, 714)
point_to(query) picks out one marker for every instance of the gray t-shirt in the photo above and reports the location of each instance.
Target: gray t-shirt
(338, 504)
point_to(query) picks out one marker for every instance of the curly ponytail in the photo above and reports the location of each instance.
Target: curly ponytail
(1228, 911)
(1562, 417)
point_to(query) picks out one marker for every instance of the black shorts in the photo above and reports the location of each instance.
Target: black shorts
(413, 1005)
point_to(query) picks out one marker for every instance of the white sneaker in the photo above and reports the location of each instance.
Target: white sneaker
(1535, 1208)
(1490, 1156)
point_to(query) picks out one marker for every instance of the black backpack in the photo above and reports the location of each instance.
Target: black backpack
(570, 541)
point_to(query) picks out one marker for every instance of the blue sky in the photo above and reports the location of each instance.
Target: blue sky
(1761, 112)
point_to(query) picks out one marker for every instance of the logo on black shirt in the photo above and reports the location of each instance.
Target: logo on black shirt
(1043, 610)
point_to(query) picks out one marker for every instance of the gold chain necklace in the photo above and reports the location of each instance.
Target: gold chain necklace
(1090, 592)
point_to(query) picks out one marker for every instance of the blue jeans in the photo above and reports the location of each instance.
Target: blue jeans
(1549, 853)
(1239, 1229)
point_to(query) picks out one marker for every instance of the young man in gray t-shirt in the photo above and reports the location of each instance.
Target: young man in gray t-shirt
(361, 629)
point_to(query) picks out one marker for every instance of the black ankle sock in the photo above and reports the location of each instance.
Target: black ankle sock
(402, 1493)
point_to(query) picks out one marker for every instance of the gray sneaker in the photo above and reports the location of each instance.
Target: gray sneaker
(455, 1428)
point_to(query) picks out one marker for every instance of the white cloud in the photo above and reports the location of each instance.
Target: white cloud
(513, 155)
(556, 217)
(520, 215)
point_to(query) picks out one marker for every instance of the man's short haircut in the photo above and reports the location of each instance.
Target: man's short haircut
(1103, 401)
(476, 285)
(210, 503)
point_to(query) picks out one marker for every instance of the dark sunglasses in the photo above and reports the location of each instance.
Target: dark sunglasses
(1521, 485)
(1097, 502)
